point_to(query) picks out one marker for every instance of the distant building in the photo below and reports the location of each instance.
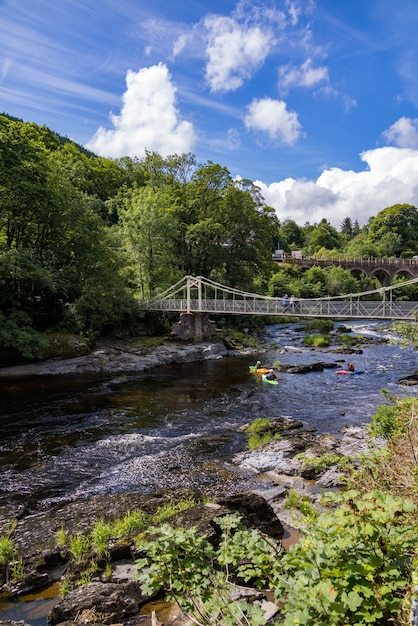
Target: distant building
(278, 256)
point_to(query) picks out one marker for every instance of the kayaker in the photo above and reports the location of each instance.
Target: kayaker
(350, 367)
(258, 365)
(271, 375)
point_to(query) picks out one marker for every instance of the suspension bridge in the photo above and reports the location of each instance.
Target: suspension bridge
(196, 295)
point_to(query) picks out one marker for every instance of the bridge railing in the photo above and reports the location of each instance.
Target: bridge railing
(201, 295)
(389, 261)
(371, 309)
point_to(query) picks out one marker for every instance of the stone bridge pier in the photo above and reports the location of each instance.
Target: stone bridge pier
(193, 326)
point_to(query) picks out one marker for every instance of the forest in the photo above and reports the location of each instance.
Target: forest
(84, 238)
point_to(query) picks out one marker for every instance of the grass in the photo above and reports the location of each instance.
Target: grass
(351, 340)
(260, 433)
(317, 341)
(322, 462)
(294, 500)
(323, 326)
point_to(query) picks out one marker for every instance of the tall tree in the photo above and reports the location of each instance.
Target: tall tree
(399, 219)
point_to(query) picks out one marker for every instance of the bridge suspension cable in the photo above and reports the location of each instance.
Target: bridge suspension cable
(196, 294)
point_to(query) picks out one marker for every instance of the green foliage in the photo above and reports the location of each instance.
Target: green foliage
(397, 227)
(61, 537)
(17, 337)
(130, 522)
(201, 578)
(295, 500)
(7, 554)
(323, 461)
(79, 547)
(351, 340)
(390, 421)
(261, 432)
(172, 508)
(408, 332)
(260, 424)
(17, 570)
(100, 536)
(260, 440)
(324, 326)
(7, 550)
(317, 341)
(353, 568)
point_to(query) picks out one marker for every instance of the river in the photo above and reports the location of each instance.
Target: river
(69, 437)
(64, 438)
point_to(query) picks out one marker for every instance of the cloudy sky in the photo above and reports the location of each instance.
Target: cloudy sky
(316, 101)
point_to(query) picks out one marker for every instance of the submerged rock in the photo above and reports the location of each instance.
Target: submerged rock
(412, 379)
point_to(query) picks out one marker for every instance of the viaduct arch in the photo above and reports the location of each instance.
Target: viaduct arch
(384, 270)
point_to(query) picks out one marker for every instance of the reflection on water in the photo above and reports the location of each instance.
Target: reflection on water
(32, 608)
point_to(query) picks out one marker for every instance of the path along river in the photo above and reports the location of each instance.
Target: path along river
(64, 438)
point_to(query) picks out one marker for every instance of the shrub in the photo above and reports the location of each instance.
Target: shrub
(317, 341)
(261, 432)
(353, 568)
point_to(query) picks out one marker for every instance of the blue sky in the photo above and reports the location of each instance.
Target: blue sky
(315, 101)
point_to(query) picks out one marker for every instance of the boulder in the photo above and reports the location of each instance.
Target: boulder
(108, 603)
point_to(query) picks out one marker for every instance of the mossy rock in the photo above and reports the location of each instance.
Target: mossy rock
(65, 346)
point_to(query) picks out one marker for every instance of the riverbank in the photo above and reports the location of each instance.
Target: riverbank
(117, 357)
(46, 558)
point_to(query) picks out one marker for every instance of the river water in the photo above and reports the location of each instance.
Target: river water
(64, 438)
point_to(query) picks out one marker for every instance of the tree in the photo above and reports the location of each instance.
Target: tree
(323, 236)
(291, 236)
(347, 227)
(149, 228)
(401, 220)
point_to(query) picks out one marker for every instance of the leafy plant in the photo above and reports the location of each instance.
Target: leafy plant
(322, 462)
(261, 432)
(200, 577)
(295, 500)
(7, 553)
(354, 566)
(79, 547)
(100, 536)
(317, 341)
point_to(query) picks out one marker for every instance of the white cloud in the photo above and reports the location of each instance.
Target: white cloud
(403, 133)
(305, 76)
(234, 51)
(390, 178)
(294, 11)
(273, 117)
(149, 119)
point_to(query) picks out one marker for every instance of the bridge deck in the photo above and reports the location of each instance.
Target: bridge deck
(303, 308)
(200, 295)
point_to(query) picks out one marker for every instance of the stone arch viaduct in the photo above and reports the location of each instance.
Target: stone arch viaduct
(384, 270)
